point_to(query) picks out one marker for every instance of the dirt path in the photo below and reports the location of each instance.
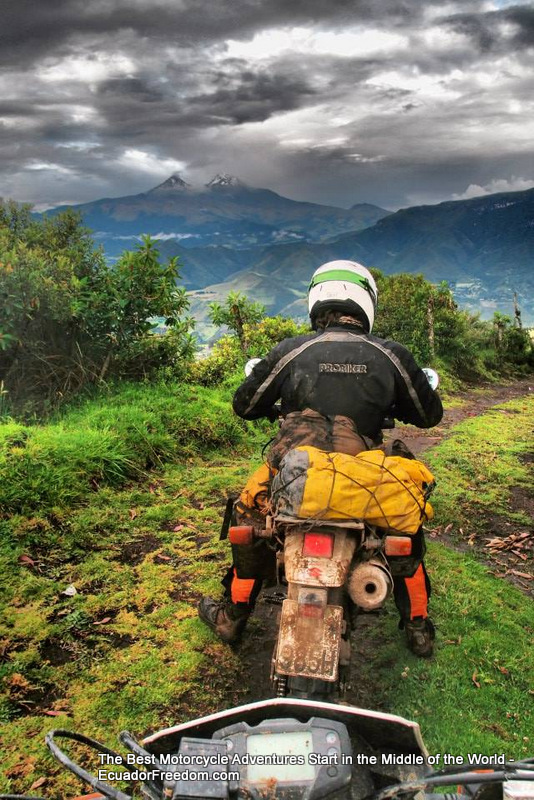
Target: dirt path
(473, 403)
(256, 649)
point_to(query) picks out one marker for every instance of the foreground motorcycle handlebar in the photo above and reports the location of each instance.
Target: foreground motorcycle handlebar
(287, 748)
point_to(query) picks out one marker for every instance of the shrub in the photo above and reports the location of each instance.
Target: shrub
(67, 319)
(168, 355)
(426, 319)
(228, 358)
(270, 331)
(237, 313)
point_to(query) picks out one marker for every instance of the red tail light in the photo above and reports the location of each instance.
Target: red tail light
(320, 545)
(311, 611)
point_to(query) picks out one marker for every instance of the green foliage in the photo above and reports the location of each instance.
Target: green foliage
(66, 317)
(168, 355)
(228, 358)
(512, 343)
(225, 359)
(426, 319)
(269, 332)
(402, 315)
(136, 288)
(106, 442)
(236, 312)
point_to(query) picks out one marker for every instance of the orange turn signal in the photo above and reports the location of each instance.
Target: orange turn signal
(398, 546)
(241, 534)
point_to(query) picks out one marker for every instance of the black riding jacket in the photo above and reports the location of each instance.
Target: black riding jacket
(341, 370)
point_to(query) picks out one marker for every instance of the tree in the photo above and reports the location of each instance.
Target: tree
(65, 314)
(407, 312)
(512, 342)
(501, 322)
(236, 312)
(137, 288)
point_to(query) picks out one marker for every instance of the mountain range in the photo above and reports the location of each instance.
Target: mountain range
(231, 236)
(226, 212)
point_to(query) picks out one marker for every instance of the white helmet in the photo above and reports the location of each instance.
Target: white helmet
(343, 286)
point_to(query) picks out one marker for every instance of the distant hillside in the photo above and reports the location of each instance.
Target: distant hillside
(224, 212)
(484, 248)
(278, 278)
(487, 241)
(230, 236)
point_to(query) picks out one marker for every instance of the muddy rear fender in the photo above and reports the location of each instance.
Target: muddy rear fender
(317, 571)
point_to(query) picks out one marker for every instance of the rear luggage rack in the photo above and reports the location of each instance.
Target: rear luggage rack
(356, 524)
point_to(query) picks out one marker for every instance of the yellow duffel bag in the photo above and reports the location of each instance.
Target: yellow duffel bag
(387, 491)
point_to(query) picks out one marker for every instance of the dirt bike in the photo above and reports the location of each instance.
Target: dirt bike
(294, 750)
(331, 571)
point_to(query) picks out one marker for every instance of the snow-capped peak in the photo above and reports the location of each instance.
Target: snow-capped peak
(224, 179)
(175, 181)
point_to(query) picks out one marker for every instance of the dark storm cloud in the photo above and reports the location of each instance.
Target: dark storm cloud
(138, 90)
(523, 18)
(479, 29)
(128, 107)
(254, 98)
(99, 96)
(15, 108)
(487, 31)
(31, 30)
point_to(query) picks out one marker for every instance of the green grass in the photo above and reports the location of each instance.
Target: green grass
(127, 651)
(485, 636)
(478, 464)
(109, 441)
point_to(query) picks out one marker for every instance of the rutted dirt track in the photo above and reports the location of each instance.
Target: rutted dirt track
(473, 404)
(256, 649)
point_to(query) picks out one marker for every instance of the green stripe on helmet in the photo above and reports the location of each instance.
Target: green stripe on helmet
(343, 275)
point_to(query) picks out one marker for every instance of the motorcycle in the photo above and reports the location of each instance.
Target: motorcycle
(332, 571)
(289, 748)
(293, 750)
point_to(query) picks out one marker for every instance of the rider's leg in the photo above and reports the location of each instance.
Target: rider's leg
(411, 597)
(250, 564)
(242, 583)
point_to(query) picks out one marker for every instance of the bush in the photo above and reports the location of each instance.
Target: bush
(168, 355)
(237, 313)
(402, 313)
(228, 358)
(67, 319)
(428, 322)
(225, 359)
(517, 348)
(270, 331)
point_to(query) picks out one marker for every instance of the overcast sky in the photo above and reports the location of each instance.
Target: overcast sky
(394, 102)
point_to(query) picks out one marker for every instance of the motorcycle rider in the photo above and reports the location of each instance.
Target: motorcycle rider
(336, 386)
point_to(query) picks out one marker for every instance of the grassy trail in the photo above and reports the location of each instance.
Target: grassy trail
(127, 650)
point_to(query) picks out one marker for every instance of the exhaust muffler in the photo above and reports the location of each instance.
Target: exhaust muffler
(370, 584)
